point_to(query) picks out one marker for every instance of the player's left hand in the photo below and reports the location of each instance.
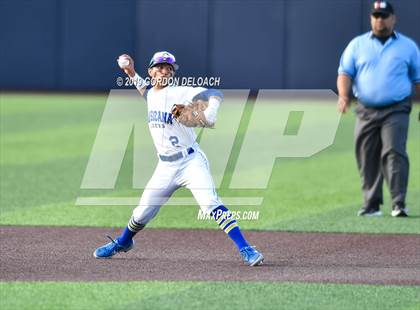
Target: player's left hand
(191, 115)
(177, 110)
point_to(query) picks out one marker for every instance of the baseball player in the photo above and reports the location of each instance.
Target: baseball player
(172, 112)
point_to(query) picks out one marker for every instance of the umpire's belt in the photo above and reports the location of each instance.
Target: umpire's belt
(381, 107)
(176, 156)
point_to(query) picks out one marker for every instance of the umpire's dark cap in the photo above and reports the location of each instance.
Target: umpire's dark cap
(383, 8)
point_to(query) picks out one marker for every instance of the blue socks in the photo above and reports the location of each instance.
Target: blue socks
(129, 232)
(221, 214)
(228, 224)
(126, 237)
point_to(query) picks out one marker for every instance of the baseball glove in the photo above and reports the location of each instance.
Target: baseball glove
(191, 115)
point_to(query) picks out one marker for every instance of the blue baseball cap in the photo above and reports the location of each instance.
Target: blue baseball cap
(163, 57)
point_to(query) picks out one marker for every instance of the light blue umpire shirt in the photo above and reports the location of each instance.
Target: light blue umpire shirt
(382, 74)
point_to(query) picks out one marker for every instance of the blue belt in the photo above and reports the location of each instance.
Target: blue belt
(176, 156)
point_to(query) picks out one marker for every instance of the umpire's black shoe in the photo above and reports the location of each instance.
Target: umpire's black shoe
(399, 212)
(369, 212)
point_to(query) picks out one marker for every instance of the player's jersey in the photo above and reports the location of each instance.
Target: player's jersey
(169, 136)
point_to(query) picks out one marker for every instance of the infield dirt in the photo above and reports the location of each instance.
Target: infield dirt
(65, 254)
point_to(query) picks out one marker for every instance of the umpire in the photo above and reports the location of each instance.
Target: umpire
(382, 66)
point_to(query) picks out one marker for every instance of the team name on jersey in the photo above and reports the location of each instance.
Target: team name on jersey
(160, 117)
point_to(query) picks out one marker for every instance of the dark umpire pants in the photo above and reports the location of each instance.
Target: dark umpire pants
(380, 138)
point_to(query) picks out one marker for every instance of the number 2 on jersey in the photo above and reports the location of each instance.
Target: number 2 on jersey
(174, 140)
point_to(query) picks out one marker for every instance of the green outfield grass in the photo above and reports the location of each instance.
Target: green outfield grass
(205, 295)
(46, 141)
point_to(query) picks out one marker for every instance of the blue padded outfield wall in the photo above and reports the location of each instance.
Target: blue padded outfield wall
(73, 44)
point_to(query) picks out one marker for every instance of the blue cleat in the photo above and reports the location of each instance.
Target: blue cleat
(110, 249)
(251, 256)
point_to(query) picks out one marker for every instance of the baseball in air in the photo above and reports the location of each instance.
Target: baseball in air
(123, 62)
